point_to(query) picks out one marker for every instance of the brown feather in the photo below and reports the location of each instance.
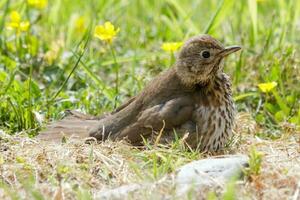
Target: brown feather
(69, 127)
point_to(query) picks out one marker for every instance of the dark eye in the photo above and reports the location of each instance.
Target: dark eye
(205, 54)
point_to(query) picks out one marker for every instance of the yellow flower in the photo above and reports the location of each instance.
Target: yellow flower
(80, 24)
(15, 20)
(106, 32)
(16, 23)
(267, 87)
(24, 26)
(39, 4)
(171, 46)
(15, 17)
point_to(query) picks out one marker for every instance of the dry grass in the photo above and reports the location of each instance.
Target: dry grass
(31, 169)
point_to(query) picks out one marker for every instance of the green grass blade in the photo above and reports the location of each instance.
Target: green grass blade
(252, 5)
(223, 9)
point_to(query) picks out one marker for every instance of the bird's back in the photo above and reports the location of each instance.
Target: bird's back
(164, 87)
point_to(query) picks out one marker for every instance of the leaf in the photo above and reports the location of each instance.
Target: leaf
(245, 95)
(252, 4)
(222, 11)
(279, 116)
(283, 106)
(271, 108)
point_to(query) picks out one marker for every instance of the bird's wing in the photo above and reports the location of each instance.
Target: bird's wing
(168, 115)
(124, 105)
(73, 126)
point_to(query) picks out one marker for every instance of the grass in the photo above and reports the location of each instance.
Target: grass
(57, 64)
(31, 169)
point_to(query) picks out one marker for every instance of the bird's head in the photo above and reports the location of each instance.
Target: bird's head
(201, 59)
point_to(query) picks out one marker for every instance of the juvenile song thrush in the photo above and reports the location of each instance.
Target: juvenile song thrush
(193, 98)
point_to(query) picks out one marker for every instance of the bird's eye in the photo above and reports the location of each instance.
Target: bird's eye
(205, 54)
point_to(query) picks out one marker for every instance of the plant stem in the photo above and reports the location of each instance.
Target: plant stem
(116, 65)
(70, 74)
(29, 98)
(172, 58)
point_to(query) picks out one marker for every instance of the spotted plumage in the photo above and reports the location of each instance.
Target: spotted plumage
(193, 99)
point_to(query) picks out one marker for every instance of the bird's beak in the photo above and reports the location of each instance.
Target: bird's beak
(229, 50)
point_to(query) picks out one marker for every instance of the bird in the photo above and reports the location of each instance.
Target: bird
(191, 100)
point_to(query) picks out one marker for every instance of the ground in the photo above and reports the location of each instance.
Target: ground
(76, 170)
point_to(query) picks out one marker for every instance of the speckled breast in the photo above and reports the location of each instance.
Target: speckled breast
(214, 115)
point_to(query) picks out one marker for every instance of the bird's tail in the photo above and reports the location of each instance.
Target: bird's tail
(75, 125)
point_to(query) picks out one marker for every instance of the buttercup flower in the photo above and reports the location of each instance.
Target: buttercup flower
(106, 32)
(39, 4)
(16, 23)
(80, 24)
(24, 26)
(15, 20)
(171, 46)
(267, 87)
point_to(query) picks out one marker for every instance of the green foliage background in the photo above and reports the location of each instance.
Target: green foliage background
(34, 65)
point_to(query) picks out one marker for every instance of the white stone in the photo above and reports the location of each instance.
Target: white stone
(201, 173)
(209, 172)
